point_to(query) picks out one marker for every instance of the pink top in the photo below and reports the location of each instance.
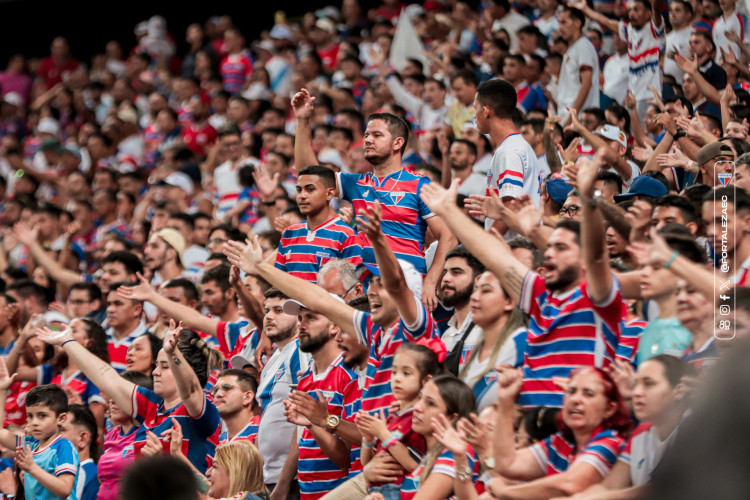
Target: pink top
(117, 456)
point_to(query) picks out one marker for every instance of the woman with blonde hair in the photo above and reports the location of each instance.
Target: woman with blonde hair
(237, 473)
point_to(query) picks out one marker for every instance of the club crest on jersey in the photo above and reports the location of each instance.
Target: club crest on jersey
(366, 194)
(725, 178)
(397, 196)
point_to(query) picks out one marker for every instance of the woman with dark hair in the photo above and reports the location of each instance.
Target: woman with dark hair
(65, 372)
(593, 426)
(447, 397)
(141, 356)
(180, 375)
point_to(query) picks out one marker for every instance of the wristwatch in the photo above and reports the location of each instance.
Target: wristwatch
(489, 463)
(332, 423)
(594, 199)
(679, 134)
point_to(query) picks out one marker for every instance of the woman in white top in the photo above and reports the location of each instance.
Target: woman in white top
(503, 339)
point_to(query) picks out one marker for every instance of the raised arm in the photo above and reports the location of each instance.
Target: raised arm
(28, 237)
(600, 19)
(187, 315)
(249, 258)
(639, 132)
(608, 155)
(187, 382)
(7, 438)
(593, 247)
(100, 373)
(304, 154)
(691, 67)
(253, 309)
(488, 250)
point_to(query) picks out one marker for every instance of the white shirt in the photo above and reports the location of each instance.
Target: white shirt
(511, 22)
(514, 172)
(581, 53)
(474, 184)
(646, 451)
(678, 41)
(428, 118)
(194, 259)
(615, 73)
(645, 48)
(547, 26)
(453, 334)
(735, 23)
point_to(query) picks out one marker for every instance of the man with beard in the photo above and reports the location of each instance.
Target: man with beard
(575, 305)
(406, 218)
(306, 246)
(461, 269)
(218, 296)
(324, 460)
(234, 397)
(163, 255)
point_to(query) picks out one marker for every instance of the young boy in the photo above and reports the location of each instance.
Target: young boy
(50, 461)
(80, 429)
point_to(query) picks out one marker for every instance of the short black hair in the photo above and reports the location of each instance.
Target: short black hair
(397, 126)
(218, 274)
(498, 95)
(537, 256)
(95, 293)
(200, 215)
(472, 147)
(468, 76)
(81, 415)
(687, 210)
(325, 174)
(246, 381)
(161, 477)
(50, 395)
(461, 252)
(574, 13)
(571, 225)
(679, 238)
(274, 293)
(26, 288)
(233, 234)
(610, 178)
(186, 218)
(188, 288)
(734, 195)
(131, 262)
(343, 130)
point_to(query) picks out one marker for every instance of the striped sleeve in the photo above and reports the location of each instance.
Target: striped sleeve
(602, 453)
(66, 462)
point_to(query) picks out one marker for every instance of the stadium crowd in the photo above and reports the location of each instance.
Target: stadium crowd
(444, 250)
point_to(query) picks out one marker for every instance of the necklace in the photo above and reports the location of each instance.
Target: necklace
(377, 192)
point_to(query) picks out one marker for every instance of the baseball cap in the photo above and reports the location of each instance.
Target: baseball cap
(292, 307)
(413, 277)
(71, 150)
(48, 126)
(613, 134)
(246, 356)
(13, 98)
(50, 144)
(713, 150)
(326, 25)
(645, 186)
(128, 115)
(180, 180)
(266, 45)
(282, 32)
(558, 190)
(173, 239)
(257, 92)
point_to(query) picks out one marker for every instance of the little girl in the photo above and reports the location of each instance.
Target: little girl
(413, 366)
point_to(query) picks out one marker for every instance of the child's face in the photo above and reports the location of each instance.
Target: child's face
(406, 381)
(42, 423)
(73, 433)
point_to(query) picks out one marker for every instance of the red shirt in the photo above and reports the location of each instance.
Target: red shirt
(199, 137)
(52, 74)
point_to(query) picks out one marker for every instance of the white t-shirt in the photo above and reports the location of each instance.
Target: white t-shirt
(616, 77)
(735, 23)
(644, 451)
(511, 22)
(514, 171)
(677, 41)
(581, 54)
(645, 48)
(547, 26)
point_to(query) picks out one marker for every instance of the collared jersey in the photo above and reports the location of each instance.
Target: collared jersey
(383, 344)
(400, 424)
(200, 433)
(317, 473)
(645, 48)
(643, 452)
(57, 458)
(630, 336)
(566, 331)
(404, 213)
(444, 464)
(556, 453)
(233, 337)
(118, 348)
(303, 251)
(78, 383)
(248, 433)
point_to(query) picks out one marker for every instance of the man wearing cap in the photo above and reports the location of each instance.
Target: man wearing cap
(554, 193)
(178, 189)
(324, 459)
(615, 145)
(643, 187)
(323, 38)
(163, 254)
(716, 161)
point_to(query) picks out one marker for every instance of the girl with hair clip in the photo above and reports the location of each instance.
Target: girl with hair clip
(592, 427)
(236, 473)
(503, 338)
(181, 373)
(65, 372)
(659, 403)
(433, 479)
(413, 366)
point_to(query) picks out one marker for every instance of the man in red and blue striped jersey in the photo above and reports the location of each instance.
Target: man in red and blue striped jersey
(405, 218)
(234, 397)
(306, 246)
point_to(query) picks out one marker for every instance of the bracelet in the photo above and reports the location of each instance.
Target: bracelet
(593, 202)
(671, 259)
(368, 444)
(268, 203)
(394, 438)
(571, 163)
(465, 474)
(69, 340)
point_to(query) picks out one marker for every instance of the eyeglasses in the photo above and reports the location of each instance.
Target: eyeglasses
(216, 241)
(79, 302)
(571, 209)
(224, 388)
(347, 292)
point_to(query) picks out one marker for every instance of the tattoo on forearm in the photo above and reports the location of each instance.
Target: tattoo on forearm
(616, 217)
(513, 281)
(177, 361)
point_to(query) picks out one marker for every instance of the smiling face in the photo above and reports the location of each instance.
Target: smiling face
(382, 308)
(218, 480)
(585, 406)
(562, 260)
(429, 405)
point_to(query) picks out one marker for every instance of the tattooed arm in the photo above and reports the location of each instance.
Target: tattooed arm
(615, 217)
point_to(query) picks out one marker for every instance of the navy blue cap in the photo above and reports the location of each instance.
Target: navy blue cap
(645, 186)
(558, 190)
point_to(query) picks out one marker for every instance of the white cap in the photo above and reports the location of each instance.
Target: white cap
(48, 126)
(180, 180)
(247, 355)
(13, 98)
(282, 32)
(613, 134)
(330, 155)
(292, 307)
(257, 92)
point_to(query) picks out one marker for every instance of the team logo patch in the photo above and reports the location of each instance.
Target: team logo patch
(725, 178)
(397, 196)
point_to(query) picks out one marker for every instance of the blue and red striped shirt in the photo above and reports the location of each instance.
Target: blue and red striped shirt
(566, 331)
(444, 464)
(556, 453)
(235, 69)
(248, 433)
(630, 336)
(404, 213)
(303, 251)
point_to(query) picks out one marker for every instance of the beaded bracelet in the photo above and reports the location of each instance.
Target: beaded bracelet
(394, 438)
